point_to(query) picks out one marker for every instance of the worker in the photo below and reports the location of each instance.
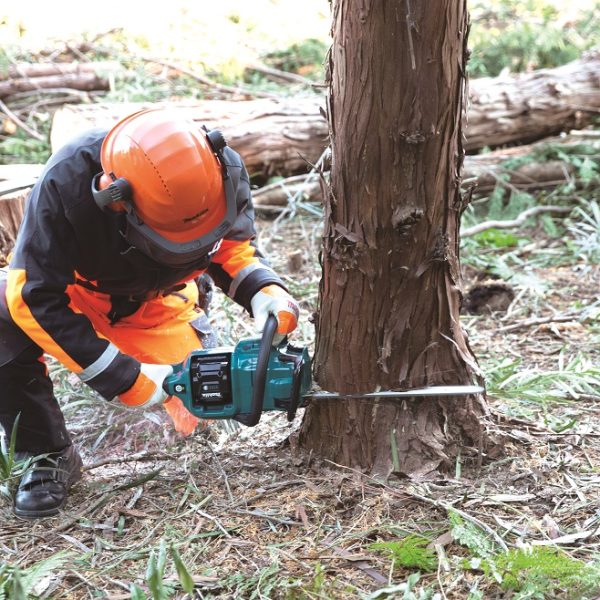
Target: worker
(117, 231)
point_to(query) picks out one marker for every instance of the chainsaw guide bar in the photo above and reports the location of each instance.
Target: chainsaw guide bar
(434, 390)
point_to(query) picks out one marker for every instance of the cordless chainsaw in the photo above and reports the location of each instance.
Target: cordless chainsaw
(242, 382)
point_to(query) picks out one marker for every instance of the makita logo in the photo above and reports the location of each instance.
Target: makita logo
(212, 395)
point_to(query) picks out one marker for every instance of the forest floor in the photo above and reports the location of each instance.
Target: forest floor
(245, 514)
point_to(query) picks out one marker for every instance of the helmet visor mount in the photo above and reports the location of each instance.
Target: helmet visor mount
(180, 254)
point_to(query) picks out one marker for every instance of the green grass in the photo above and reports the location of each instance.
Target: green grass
(572, 377)
(24, 583)
(11, 466)
(411, 552)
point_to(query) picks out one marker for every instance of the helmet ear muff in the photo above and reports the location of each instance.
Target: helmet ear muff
(216, 141)
(118, 190)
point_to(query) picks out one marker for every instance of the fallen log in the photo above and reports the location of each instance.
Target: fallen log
(272, 136)
(530, 167)
(518, 168)
(525, 168)
(84, 81)
(527, 107)
(30, 70)
(27, 77)
(283, 136)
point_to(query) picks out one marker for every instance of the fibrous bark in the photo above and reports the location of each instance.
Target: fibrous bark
(389, 296)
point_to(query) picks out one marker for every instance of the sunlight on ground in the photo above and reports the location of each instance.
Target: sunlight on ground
(215, 33)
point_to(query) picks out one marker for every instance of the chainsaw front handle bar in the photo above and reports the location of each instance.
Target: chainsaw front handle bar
(260, 376)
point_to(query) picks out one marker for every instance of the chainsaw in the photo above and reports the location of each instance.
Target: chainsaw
(243, 381)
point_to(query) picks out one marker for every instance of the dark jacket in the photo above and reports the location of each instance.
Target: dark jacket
(66, 239)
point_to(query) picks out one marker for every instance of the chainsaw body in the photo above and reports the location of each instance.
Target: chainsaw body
(238, 383)
(243, 381)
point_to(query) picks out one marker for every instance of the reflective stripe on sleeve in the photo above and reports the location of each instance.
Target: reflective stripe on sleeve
(101, 364)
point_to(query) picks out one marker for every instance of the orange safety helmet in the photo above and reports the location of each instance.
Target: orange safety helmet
(170, 177)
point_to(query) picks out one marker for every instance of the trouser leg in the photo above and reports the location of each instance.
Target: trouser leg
(26, 390)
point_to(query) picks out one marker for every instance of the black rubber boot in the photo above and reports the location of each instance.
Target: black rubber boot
(43, 489)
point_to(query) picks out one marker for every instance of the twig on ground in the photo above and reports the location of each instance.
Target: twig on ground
(268, 490)
(537, 321)
(222, 471)
(263, 515)
(13, 117)
(520, 220)
(279, 75)
(447, 507)
(82, 513)
(142, 457)
(215, 521)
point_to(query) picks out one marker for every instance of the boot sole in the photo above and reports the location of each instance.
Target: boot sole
(38, 514)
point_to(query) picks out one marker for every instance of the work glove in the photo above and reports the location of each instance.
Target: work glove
(274, 300)
(147, 389)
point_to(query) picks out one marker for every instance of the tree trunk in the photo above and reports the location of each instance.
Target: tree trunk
(11, 215)
(389, 295)
(283, 137)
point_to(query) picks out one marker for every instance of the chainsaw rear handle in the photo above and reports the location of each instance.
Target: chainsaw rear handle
(260, 376)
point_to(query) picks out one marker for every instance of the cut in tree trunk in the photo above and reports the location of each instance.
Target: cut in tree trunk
(280, 136)
(389, 295)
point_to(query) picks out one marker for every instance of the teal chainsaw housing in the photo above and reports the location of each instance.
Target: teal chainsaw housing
(233, 383)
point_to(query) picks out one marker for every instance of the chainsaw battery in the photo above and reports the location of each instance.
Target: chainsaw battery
(211, 379)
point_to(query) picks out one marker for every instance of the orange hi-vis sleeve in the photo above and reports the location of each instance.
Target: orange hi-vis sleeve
(139, 392)
(24, 318)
